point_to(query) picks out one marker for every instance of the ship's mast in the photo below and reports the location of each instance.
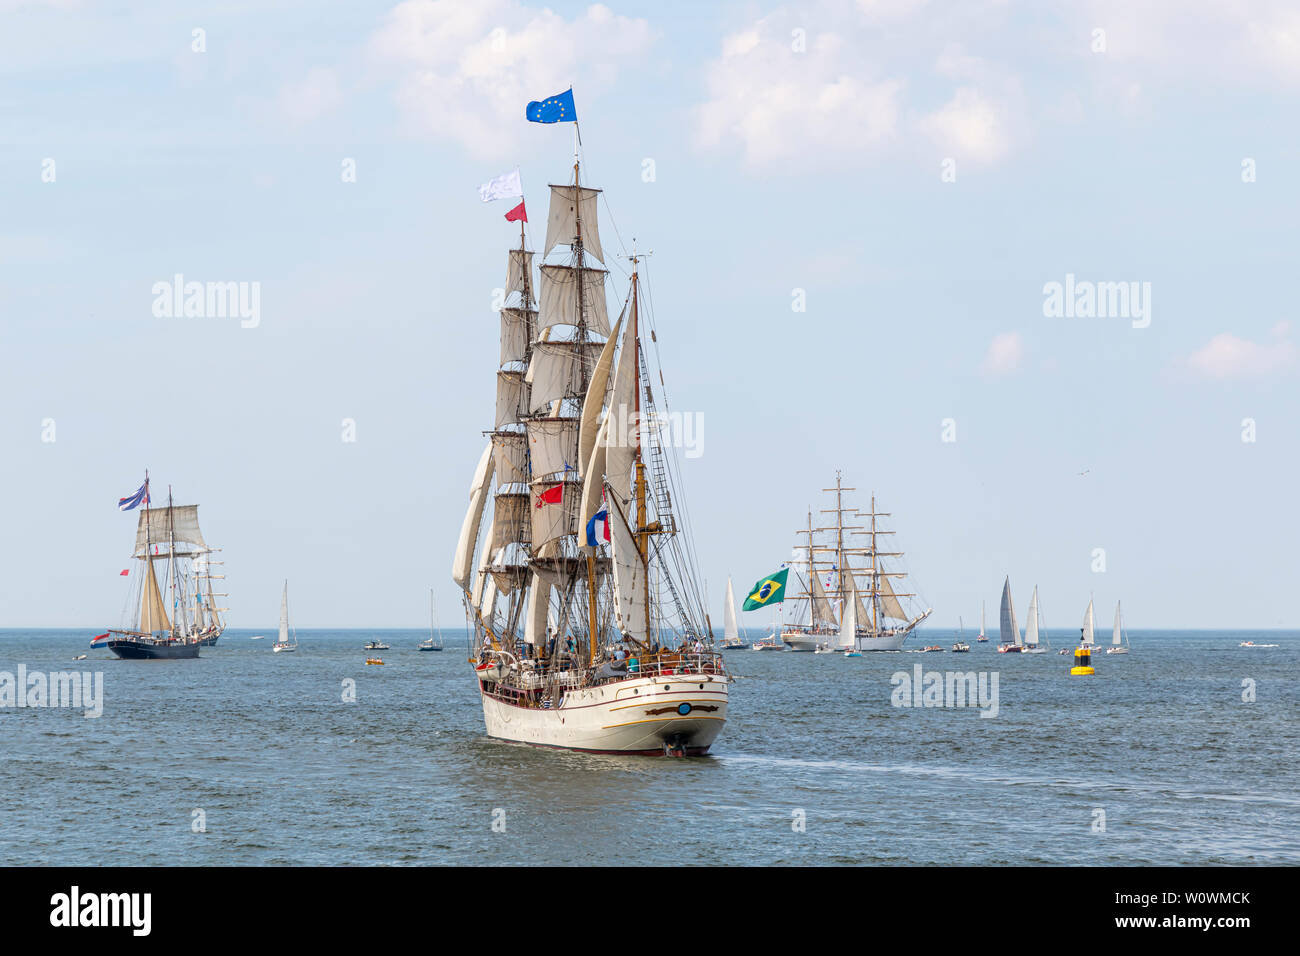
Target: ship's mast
(171, 560)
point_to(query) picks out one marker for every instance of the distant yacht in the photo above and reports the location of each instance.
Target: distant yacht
(284, 644)
(1119, 640)
(731, 639)
(1087, 633)
(430, 644)
(981, 639)
(375, 645)
(1009, 637)
(1032, 645)
(960, 646)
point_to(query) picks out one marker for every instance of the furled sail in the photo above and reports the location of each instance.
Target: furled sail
(519, 270)
(552, 446)
(179, 523)
(559, 298)
(629, 576)
(568, 204)
(463, 564)
(1010, 634)
(849, 619)
(555, 371)
(1031, 623)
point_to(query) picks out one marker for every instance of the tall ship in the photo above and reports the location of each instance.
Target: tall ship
(841, 566)
(587, 621)
(173, 607)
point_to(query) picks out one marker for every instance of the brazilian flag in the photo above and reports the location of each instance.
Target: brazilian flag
(769, 590)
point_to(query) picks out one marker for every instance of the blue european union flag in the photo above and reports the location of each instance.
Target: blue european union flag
(554, 109)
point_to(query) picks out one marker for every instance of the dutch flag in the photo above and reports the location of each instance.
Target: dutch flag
(134, 500)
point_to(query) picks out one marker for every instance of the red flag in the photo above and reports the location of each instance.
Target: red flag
(125, 573)
(519, 212)
(551, 496)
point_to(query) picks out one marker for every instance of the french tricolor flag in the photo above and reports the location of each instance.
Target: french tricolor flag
(134, 500)
(603, 517)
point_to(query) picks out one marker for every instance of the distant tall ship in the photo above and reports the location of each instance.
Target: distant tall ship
(176, 617)
(587, 623)
(858, 577)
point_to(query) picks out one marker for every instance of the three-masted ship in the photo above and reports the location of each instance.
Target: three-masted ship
(174, 609)
(857, 590)
(588, 627)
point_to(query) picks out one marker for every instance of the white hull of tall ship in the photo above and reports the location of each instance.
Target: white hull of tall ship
(680, 714)
(882, 642)
(803, 640)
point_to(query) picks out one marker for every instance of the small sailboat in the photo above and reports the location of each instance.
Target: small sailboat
(730, 630)
(848, 642)
(1009, 638)
(773, 640)
(1087, 632)
(284, 644)
(1119, 640)
(1032, 645)
(432, 644)
(981, 639)
(960, 646)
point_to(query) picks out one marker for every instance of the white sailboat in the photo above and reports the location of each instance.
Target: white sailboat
(1087, 632)
(434, 641)
(849, 623)
(1009, 633)
(731, 639)
(1032, 645)
(982, 639)
(772, 642)
(1119, 640)
(284, 643)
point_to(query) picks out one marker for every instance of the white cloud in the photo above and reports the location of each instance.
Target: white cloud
(840, 93)
(465, 71)
(1228, 357)
(1005, 354)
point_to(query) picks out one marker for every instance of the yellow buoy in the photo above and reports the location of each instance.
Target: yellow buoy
(1082, 661)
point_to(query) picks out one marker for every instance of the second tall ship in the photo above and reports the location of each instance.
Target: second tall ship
(858, 586)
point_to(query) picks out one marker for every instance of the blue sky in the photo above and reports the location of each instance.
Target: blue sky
(783, 160)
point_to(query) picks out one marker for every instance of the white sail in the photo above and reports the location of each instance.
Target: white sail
(559, 299)
(510, 518)
(821, 607)
(1031, 623)
(1010, 633)
(153, 613)
(849, 619)
(552, 446)
(179, 523)
(519, 270)
(568, 204)
(487, 609)
(510, 457)
(463, 563)
(597, 392)
(981, 618)
(889, 605)
(729, 629)
(620, 446)
(629, 576)
(556, 370)
(1088, 624)
(593, 481)
(1115, 638)
(553, 520)
(515, 333)
(539, 602)
(512, 397)
(284, 615)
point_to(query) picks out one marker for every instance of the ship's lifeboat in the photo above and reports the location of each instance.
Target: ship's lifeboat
(489, 671)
